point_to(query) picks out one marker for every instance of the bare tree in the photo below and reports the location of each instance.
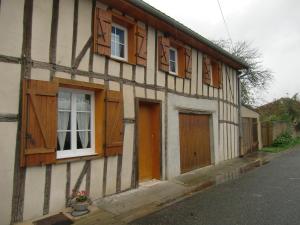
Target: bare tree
(257, 78)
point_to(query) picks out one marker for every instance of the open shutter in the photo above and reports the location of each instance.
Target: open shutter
(39, 122)
(188, 62)
(141, 54)
(220, 76)
(164, 45)
(114, 123)
(102, 31)
(206, 67)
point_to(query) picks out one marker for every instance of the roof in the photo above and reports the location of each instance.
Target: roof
(157, 13)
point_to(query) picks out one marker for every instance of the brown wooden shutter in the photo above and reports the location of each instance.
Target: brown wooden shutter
(188, 62)
(39, 123)
(141, 54)
(164, 45)
(220, 76)
(102, 31)
(206, 67)
(114, 123)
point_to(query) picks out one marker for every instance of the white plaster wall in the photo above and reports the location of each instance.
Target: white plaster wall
(111, 175)
(179, 84)
(128, 101)
(97, 166)
(114, 86)
(171, 82)
(41, 29)
(200, 56)
(161, 96)
(58, 188)
(40, 74)
(127, 71)
(65, 32)
(34, 192)
(9, 87)
(187, 86)
(140, 92)
(11, 35)
(194, 72)
(150, 94)
(150, 55)
(113, 68)
(127, 157)
(84, 31)
(99, 64)
(76, 168)
(161, 78)
(176, 103)
(140, 74)
(8, 132)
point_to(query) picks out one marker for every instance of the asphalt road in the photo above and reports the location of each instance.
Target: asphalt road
(269, 195)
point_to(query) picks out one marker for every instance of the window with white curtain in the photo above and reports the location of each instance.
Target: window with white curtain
(75, 123)
(119, 42)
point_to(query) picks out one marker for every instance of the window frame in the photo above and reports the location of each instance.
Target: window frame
(176, 61)
(74, 152)
(125, 42)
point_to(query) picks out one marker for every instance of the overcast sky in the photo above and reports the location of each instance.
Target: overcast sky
(271, 26)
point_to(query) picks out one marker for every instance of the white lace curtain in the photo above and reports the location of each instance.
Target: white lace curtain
(83, 121)
(63, 121)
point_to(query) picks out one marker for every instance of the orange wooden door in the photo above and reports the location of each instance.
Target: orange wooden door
(148, 141)
(194, 141)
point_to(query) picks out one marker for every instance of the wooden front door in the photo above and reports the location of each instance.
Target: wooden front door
(194, 141)
(148, 141)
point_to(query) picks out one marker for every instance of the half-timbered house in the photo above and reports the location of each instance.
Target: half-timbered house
(100, 95)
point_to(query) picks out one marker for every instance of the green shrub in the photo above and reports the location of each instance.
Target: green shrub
(284, 139)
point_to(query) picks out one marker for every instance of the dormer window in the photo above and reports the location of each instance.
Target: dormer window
(173, 61)
(119, 42)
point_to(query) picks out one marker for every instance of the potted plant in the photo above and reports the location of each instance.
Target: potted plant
(80, 202)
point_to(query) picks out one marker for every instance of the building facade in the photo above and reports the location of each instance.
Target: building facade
(103, 95)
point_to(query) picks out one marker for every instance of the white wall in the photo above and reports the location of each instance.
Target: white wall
(175, 104)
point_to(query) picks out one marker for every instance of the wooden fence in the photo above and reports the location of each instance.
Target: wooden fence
(249, 135)
(271, 130)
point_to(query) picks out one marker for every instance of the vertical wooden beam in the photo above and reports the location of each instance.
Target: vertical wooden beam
(53, 35)
(75, 31)
(20, 173)
(91, 59)
(47, 189)
(88, 178)
(68, 183)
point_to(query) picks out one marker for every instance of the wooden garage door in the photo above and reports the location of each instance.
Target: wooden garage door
(194, 141)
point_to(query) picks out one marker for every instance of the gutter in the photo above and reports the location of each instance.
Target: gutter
(157, 13)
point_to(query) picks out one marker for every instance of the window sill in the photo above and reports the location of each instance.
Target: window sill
(79, 158)
(178, 76)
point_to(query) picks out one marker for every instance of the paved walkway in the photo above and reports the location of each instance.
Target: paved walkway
(269, 195)
(156, 195)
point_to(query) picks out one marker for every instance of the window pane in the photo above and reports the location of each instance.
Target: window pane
(121, 51)
(83, 139)
(172, 55)
(64, 100)
(113, 48)
(83, 102)
(120, 36)
(172, 67)
(64, 120)
(83, 121)
(63, 141)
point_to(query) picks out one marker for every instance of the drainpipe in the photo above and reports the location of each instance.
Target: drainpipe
(240, 75)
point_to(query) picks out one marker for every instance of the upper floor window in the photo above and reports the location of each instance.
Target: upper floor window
(119, 42)
(75, 123)
(173, 61)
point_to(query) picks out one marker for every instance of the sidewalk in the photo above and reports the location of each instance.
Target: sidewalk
(154, 195)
